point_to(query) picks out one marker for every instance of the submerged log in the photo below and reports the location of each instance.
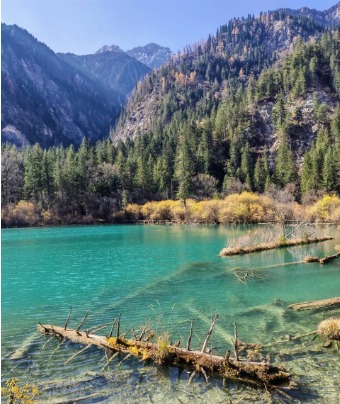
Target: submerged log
(317, 304)
(321, 260)
(329, 258)
(260, 373)
(269, 246)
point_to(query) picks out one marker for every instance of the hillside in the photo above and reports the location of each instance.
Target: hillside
(47, 101)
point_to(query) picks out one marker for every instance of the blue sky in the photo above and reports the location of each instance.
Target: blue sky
(83, 26)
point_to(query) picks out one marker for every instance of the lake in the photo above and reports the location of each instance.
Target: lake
(164, 276)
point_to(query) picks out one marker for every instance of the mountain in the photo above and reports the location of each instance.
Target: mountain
(197, 79)
(46, 100)
(110, 66)
(152, 55)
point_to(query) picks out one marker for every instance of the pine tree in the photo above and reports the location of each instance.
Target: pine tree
(329, 170)
(285, 170)
(33, 177)
(246, 167)
(184, 168)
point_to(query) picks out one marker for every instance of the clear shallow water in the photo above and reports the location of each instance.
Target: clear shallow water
(166, 275)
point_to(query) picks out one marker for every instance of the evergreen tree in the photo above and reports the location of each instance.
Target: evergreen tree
(246, 167)
(33, 177)
(184, 168)
(285, 170)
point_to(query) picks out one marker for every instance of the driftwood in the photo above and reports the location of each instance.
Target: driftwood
(317, 304)
(260, 373)
(269, 246)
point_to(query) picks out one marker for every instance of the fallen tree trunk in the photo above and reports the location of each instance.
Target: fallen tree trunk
(317, 304)
(260, 373)
(269, 246)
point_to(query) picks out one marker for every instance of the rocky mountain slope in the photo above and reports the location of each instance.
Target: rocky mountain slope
(152, 55)
(46, 100)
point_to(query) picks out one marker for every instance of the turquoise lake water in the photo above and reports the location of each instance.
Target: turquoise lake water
(165, 276)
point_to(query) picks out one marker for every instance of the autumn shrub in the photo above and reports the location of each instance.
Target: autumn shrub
(156, 211)
(15, 393)
(193, 211)
(49, 217)
(133, 212)
(163, 211)
(178, 212)
(326, 209)
(7, 217)
(22, 214)
(210, 210)
(246, 208)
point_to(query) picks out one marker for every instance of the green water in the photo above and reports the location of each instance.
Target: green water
(165, 275)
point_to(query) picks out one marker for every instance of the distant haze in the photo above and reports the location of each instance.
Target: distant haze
(84, 26)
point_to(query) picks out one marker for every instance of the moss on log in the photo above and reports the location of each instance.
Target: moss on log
(270, 246)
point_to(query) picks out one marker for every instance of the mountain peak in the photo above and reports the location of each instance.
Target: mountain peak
(152, 54)
(107, 48)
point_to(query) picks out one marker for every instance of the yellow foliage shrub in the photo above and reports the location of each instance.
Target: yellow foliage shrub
(133, 211)
(21, 214)
(19, 394)
(326, 209)
(246, 208)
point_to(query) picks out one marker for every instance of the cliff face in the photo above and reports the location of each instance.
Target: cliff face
(46, 100)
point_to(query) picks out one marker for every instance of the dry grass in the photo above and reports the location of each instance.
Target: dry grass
(330, 328)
